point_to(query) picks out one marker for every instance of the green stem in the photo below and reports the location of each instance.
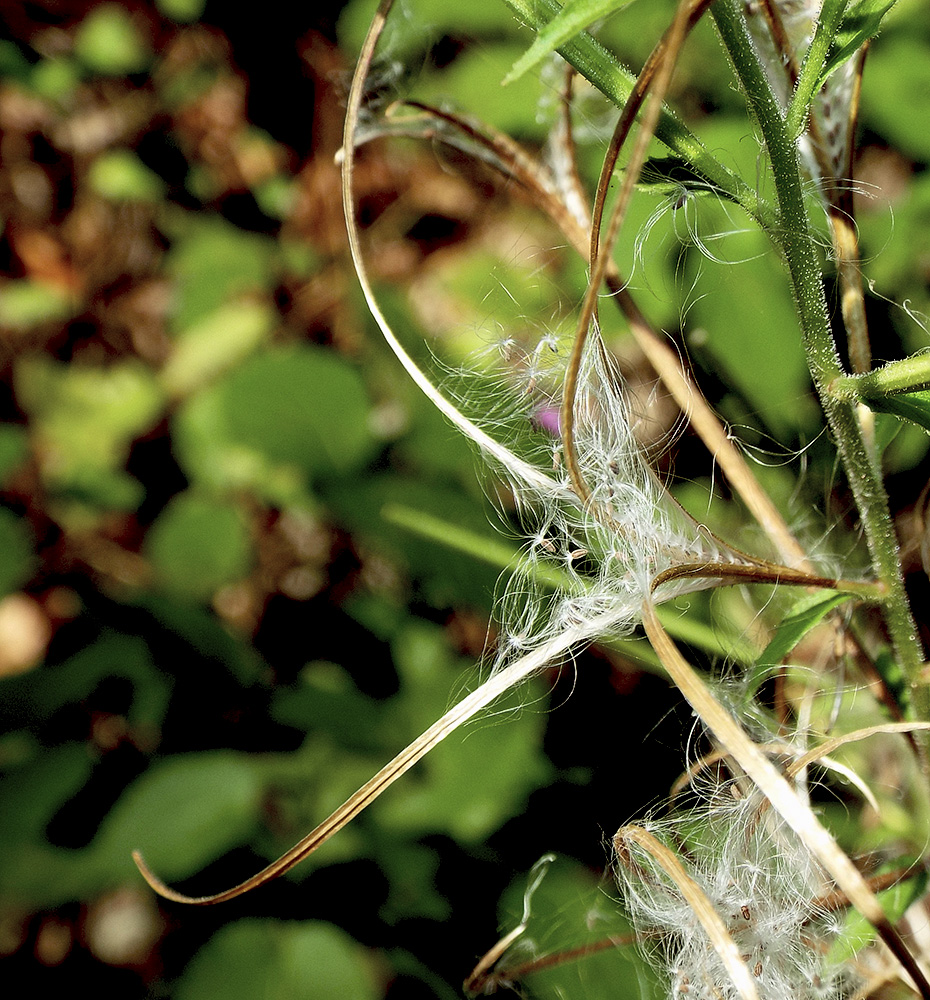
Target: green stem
(907, 375)
(831, 14)
(601, 68)
(793, 237)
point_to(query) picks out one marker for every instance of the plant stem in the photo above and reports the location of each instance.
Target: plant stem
(794, 239)
(602, 69)
(907, 375)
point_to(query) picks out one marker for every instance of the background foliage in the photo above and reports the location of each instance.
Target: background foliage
(216, 620)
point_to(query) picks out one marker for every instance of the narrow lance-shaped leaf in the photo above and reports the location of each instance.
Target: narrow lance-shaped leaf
(574, 17)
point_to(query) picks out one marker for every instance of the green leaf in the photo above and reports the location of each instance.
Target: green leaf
(108, 42)
(605, 72)
(33, 793)
(574, 17)
(215, 343)
(56, 79)
(198, 544)
(17, 552)
(182, 814)
(806, 615)
(182, 11)
(14, 449)
(474, 80)
(26, 303)
(303, 406)
(744, 319)
(857, 932)
(570, 908)
(895, 93)
(912, 406)
(32, 872)
(469, 784)
(112, 655)
(211, 262)
(861, 22)
(83, 420)
(120, 175)
(272, 960)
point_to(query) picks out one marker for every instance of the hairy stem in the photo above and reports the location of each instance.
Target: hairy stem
(794, 239)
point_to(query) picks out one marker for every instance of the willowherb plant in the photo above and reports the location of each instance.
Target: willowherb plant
(742, 893)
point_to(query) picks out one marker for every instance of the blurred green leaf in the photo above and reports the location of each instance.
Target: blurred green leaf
(327, 701)
(212, 261)
(109, 42)
(271, 960)
(216, 343)
(472, 782)
(112, 654)
(83, 419)
(32, 794)
(14, 450)
(896, 92)
(300, 406)
(210, 456)
(32, 872)
(446, 576)
(475, 80)
(13, 64)
(182, 11)
(26, 303)
(121, 176)
(17, 552)
(198, 544)
(56, 79)
(182, 813)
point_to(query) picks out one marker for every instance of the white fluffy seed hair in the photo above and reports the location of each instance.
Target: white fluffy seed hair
(607, 551)
(760, 880)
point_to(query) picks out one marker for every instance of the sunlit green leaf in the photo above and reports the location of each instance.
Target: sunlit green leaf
(809, 612)
(182, 11)
(26, 303)
(213, 261)
(121, 176)
(215, 343)
(109, 42)
(83, 419)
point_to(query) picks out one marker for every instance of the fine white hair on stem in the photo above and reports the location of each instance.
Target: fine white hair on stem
(725, 897)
